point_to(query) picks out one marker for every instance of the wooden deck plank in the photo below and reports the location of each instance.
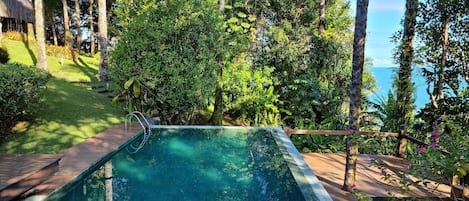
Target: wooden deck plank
(330, 170)
(21, 172)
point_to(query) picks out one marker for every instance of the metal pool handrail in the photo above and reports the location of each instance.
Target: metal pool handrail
(146, 129)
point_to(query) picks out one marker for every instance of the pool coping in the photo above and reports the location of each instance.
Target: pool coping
(296, 163)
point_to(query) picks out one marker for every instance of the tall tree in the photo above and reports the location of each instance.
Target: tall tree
(102, 37)
(322, 17)
(52, 21)
(438, 89)
(66, 22)
(217, 116)
(78, 23)
(40, 35)
(355, 92)
(404, 85)
(92, 46)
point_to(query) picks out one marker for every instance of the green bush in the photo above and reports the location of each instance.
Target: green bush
(4, 57)
(166, 59)
(19, 93)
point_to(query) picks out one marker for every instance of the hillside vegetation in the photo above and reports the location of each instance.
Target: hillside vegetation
(70, 112)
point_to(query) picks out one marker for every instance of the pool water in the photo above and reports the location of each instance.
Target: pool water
(192, 164)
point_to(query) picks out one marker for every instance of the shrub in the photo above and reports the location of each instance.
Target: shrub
(15, 36)
(4, 57)
(166, 59)
(19, 93)
(61, 51)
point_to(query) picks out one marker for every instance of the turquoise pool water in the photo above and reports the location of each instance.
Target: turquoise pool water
(198, 163)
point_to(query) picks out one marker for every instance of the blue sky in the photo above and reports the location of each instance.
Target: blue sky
(384, 19)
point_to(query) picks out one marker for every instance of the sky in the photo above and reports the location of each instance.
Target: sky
(384, 19)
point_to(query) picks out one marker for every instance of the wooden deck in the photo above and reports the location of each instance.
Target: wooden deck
(42, 174)
(21, 172)
(330, 169)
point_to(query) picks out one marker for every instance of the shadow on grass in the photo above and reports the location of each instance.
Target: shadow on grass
(87, 70)
(30, 51)
(69, 114)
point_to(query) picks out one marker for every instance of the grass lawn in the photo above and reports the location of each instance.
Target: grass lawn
(70, 112)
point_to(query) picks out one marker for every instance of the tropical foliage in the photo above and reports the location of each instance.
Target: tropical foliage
(166, 59)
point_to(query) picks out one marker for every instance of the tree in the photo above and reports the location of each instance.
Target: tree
(52, 22)
(322, 16)
(102, 37)
(51, 9)
(92, 46)
(405, 88)
(355, 92)
(441, 28)
(78, 23)
(40, 35)
(66, 23)
(217, 116)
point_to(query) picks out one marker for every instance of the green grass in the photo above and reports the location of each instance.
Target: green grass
(70, 112)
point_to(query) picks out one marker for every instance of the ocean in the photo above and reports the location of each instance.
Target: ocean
(384, 77)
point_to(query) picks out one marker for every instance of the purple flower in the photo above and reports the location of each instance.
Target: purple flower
(421, 150)
(338, 138)
(437, 121)
(436, 133)
(352, 187)
(407, 165)
(350, 130)
(434, 145)
(383, 169)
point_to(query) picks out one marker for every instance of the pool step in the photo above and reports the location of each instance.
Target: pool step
(22, 172)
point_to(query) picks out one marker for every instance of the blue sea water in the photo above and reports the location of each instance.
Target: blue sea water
(384, 77)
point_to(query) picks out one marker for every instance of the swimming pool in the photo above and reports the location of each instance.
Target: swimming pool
(200, 163)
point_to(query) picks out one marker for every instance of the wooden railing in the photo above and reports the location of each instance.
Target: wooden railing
(400, 148)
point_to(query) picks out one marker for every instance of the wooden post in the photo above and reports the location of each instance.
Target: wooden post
(287, 131)
(108, 181)
(401, 144)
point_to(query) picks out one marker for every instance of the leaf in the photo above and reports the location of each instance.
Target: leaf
(242, 15)
(462, 171)
(245, 25)
(115, 99)
(252, 18)
(129, 83)
(136, 89)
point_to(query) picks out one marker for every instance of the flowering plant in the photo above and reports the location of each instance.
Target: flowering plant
(445, 155)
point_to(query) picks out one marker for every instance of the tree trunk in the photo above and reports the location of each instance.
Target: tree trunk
(1, 32)
(355, 92)
(102, 36)
(40, 35)
(222, 5)
(322, 16)
(54, 31)
(404, 82)
(217, 116)
(78, 24)
(68, 34)
(465, 68)
(92, 48)
(438, 93)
